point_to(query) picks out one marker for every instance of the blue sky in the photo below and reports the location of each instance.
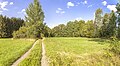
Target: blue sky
(59, 11)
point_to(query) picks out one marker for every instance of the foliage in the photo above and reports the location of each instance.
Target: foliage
(111, 29)
(34, 22)
(102, 27)
(89, 29)
(98, 22)
(118, 19)
(74, 29)
(12, 49)
(115, 46)
(103, 31)
(21, 33)
(9, 25)
(34, 57)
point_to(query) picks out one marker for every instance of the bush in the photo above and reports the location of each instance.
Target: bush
(28, 32)
(115, 46)
(21, 33)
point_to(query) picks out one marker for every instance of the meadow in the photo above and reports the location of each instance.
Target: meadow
(34, 57)
(60, 51)
(12, 49)
(76, 51)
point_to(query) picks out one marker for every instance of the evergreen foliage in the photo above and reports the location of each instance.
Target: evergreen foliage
(9, 25)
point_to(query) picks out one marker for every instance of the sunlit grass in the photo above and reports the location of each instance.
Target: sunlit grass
(12, 49)
(34, 57)
(73, 51)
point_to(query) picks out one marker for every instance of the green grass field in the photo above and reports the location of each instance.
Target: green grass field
(74, 51)
(11, 50)
(34, 57)
(60, 52)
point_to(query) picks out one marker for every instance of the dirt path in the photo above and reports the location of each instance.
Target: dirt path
(44, 61)
(24, 56)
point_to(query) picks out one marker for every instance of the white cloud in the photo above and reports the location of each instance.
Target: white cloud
(3, 5)
(112, 7)
(90, 6)
(70, 4)
(60, 11)
(77, 4)
(85, 2)
(104, 3)
(11, 3)
(57, 11)
(22, 11)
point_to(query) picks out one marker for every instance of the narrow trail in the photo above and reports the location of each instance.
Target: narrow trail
(24, 56)
(44, 61)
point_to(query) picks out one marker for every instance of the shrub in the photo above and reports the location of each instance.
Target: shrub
(115, 45)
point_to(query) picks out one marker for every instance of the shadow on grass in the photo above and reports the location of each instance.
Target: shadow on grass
(100, 40)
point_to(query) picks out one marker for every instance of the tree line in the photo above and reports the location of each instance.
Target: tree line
(74, 29)
(103, 26)
(9, 25)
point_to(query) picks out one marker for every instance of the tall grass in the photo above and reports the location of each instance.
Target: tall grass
(78, 52)
(12, 49)
(73, 51)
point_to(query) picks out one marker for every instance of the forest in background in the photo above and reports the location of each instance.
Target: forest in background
(103, 26)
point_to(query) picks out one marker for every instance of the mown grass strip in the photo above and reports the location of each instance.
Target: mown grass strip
(34, 57)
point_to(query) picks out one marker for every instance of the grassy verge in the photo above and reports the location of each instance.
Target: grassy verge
(12, 49)
(75, 51)
(34, 58)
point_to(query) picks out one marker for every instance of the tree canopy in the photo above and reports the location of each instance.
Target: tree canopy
(34, 25)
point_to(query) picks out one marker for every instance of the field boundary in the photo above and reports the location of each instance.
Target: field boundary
(24, 55)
